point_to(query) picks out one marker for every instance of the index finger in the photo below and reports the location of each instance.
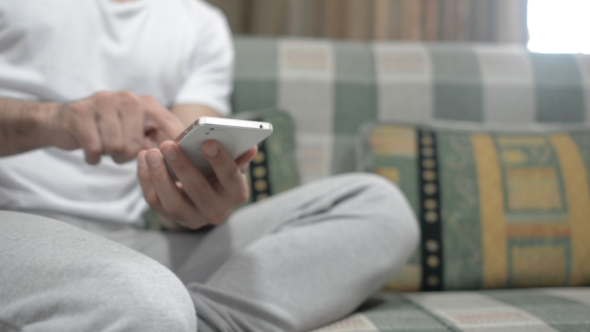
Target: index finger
(132, 120)
(159, 118)
(244, 161)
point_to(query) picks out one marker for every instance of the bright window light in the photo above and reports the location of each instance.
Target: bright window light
(559, 26)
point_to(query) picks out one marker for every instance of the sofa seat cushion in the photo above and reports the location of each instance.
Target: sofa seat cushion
(525, 310)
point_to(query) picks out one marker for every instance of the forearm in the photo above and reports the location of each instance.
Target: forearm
(23, 125)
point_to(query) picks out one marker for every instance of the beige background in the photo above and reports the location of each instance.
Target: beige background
(446, 20)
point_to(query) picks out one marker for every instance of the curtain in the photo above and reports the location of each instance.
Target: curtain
(503, 21)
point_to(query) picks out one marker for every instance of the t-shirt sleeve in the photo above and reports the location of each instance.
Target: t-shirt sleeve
(209, 76)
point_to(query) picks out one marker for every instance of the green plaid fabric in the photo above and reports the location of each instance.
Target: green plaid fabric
(330, 88)
(531, 310)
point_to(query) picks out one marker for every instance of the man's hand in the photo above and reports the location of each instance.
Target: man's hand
(194, 201)
(119, 124)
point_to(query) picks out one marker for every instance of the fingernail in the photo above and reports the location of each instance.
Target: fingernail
(170, 153)
(210, 150)
(141, 159)
(244, 167)
(153, 159)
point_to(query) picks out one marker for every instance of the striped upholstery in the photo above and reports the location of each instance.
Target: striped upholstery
(330, 88)
(496, 209)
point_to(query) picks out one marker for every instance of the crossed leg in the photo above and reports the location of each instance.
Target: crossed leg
(293, 262)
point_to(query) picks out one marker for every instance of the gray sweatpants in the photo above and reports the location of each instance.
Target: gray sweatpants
(293, 262)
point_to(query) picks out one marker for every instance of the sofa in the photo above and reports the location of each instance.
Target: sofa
(489, 143)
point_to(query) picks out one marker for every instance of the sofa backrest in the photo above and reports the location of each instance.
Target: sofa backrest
(330, 88)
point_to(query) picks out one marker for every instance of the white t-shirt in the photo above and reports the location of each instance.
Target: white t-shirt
(178, 51)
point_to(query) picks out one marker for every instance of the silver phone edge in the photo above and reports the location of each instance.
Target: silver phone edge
(205, 120)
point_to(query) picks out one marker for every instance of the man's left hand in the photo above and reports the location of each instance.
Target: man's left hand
(194, 201)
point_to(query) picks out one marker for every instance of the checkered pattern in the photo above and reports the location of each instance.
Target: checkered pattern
(331, 88)
(532, 310)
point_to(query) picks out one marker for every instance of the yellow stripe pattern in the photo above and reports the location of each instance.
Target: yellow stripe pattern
(493, 215)
(578, 198)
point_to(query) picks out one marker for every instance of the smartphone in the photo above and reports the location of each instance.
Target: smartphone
(235, 136)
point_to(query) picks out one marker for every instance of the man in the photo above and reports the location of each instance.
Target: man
(86, 86)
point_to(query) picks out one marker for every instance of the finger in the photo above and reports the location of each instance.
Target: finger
(228, 173)
(196, 186)
(149, 192)
(158, 117)
(244, 161)
(82, 125)
(149, 142)
(171, 199)
(131, 115)
(109, 125)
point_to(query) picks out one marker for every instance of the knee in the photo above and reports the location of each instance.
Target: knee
(88, 283)
(397, 208)
(144, 296)
(388, 206)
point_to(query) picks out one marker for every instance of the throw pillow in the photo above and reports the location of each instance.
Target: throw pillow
(496, 209)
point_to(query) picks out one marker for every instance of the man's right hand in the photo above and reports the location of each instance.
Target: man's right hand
(112, 123)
